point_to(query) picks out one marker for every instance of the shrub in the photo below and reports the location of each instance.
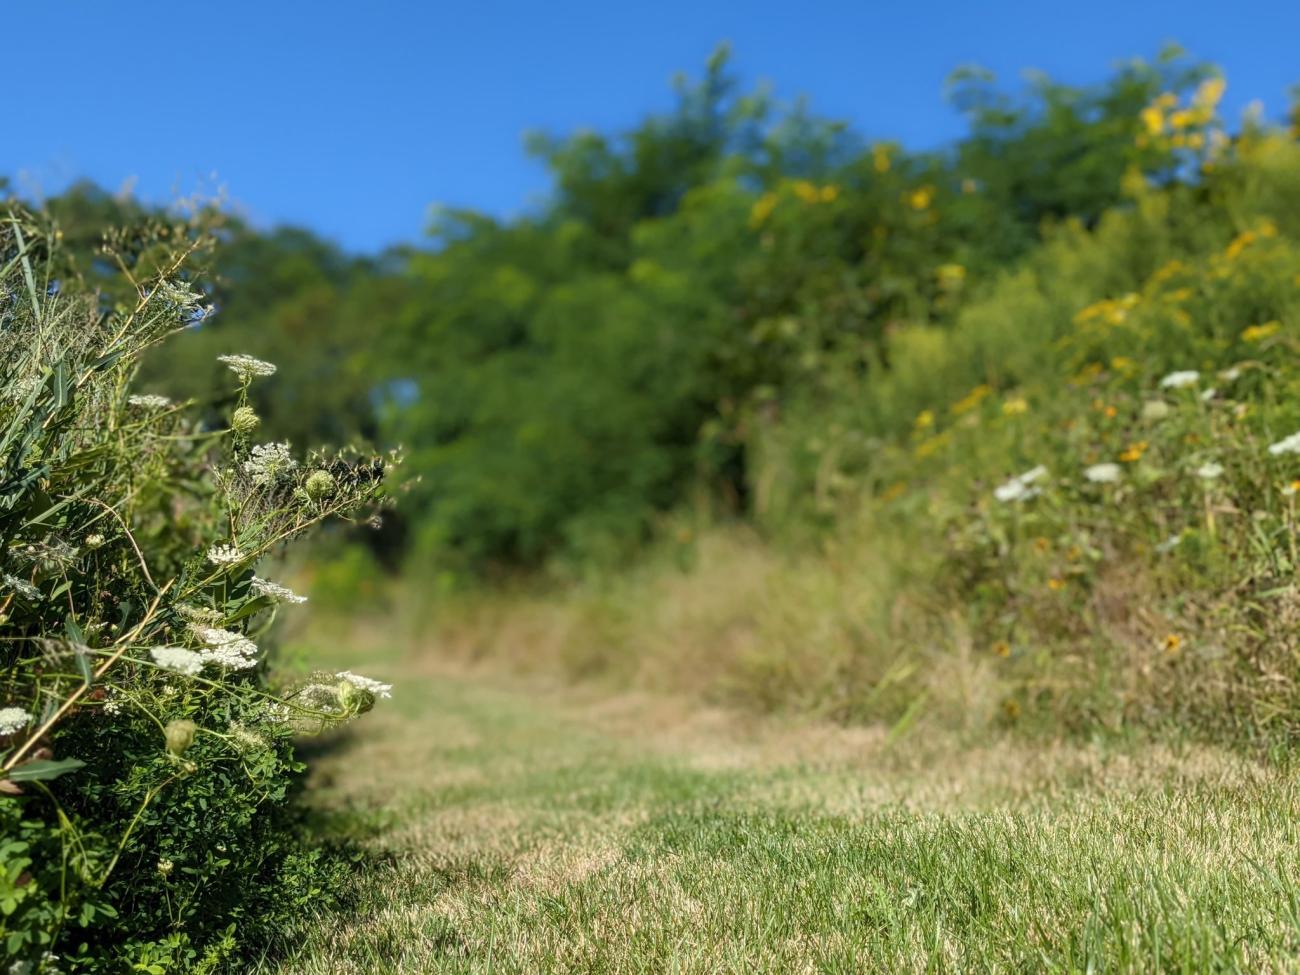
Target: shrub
(146, 758)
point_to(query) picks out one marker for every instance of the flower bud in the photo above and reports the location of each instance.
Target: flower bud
(245, 420)
(320, 484)
(95, 541)
(180, 735)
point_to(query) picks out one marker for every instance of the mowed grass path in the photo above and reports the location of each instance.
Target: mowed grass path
(530, 831)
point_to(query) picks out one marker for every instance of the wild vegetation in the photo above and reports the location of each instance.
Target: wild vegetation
(146, 757)
(995, 443)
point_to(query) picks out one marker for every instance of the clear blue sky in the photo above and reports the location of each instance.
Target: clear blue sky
(354, 117)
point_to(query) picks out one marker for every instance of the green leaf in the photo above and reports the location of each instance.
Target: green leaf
(44, 770)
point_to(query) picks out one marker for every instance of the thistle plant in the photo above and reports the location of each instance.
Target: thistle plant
(138, 722)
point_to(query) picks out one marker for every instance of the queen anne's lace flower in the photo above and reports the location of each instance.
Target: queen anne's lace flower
(246, 367)
(1210, 471)
(148, 401)
(269, 462)
(1103, 473)
(179, 659)
(225, 555)
(1177, 380)
(226, 648)
(1020, 488)
(367, 684)
(14, 719)
(21, 586)
(1287, 445)
(275, 591)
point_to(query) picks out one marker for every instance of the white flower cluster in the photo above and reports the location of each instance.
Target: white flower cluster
(14, 719)
(1103, 473)
(367, 684)
(246, 367)
(177, 659)
(275, 591)
(226, 648)
(1021, 488)
(1177, 380)
(148, 401)
(1210, 471)
(1287, 445)
(269, 462)
(21, 586)
(225, 555)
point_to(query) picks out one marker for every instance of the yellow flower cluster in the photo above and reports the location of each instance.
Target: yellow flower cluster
(971, 400)
(1257, 333)
(921, 197)
(1109, 311)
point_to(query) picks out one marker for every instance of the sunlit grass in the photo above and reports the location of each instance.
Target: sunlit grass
(543, 831)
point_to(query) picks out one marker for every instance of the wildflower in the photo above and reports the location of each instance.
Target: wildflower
(375, 687)
(1002, 648)
(269, 462)
(276, 592)
(1055, 584)
(320, 484)
(1231, 375)
(1042, 544)
(112, 706)
(199, 614)
(179, 736)
(14, 719)
(1177, 380)
(165, 867)
(1257, 333)
(21, 586)
(1287, 445)
(924, 419)
(921, 198)
(971, 400)
(1173, 643)
(1210, 471)
(225, 555)
(1209, 394)
(1134, 452)
(880, 158)
(245, 420)
(1155, 409)
(1291, 489)
(246, 367)
(1019, 488)
(94, 541)
(1014, 407)
(177, 659)
(148, 401)
(226, 648)
(1103, 473)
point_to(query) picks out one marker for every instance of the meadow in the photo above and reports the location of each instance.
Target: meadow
(804, 555)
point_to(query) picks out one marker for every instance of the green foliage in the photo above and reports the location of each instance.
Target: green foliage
(146, 759)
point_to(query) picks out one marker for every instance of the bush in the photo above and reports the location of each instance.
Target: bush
(146, 758)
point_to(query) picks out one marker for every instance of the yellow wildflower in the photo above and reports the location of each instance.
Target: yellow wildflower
(921, 197)
(829, 193)
(1123, 365)
(1015, 406)
(880, 158)
(1153, 119)
(1134, 452)
(1257, 333)
(762, 209)
(1055, 584)
(1002, 648)
(971, 400)
(806, 191)
(924, 419)
(1173, 643)
(1209, 93)
(950, 275)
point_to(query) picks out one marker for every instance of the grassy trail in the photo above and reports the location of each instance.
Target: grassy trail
(530, 831)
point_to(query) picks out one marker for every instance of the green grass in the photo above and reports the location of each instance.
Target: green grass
(530, 830)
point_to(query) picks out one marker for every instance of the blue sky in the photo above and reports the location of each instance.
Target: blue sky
(354, 117)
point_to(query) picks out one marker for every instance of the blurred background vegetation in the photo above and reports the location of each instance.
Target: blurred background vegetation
(741, 389)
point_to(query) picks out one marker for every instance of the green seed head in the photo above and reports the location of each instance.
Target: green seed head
(180, 735)
(245, 420)
(320, 484)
